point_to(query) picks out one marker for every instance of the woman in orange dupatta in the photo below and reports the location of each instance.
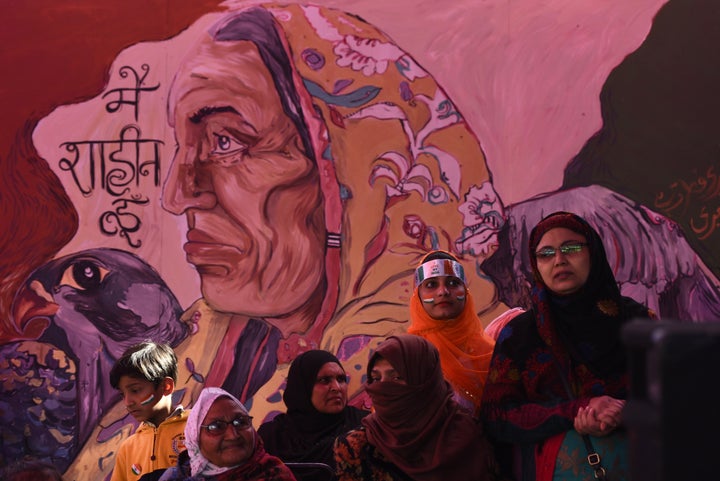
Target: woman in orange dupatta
(443, 312)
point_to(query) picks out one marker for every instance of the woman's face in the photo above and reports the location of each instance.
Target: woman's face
(329, 394)
(563, 273)
(443, 298)
(383, 371)
(250, 194)
(228, 445)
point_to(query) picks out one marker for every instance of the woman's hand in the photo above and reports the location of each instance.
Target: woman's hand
(601, 416)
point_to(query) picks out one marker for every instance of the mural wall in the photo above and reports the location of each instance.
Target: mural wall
(248, 181)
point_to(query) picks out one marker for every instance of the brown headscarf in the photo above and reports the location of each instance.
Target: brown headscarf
(418, 426)
(465, 349)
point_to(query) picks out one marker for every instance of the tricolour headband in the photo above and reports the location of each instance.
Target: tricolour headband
(439, 268)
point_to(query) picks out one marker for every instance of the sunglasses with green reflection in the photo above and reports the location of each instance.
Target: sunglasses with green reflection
(568, 249)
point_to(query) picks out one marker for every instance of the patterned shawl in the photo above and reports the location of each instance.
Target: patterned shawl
(385, 204)
(569, 340)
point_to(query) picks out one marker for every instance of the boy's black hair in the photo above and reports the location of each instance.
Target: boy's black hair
(147, 360)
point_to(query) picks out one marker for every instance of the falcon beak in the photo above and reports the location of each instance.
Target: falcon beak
(32, 309)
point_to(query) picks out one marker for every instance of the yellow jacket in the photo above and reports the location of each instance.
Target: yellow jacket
(151, 447)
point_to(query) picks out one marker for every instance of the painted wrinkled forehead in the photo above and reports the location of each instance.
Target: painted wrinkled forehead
(439, 268)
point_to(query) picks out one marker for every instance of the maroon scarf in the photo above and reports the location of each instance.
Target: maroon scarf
(418, 426)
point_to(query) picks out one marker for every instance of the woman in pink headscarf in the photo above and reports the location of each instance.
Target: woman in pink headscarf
(222, 444)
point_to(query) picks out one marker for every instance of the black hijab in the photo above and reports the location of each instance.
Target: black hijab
(304, 434)
(588, 322)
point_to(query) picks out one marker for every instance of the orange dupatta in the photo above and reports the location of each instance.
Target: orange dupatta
(465, 349)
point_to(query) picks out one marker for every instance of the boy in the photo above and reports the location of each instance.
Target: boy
(146, 375)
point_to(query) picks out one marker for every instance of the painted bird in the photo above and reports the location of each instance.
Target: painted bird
(75, 316)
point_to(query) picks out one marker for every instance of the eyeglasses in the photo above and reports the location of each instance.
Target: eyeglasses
(218, 428)
(547, 253)
(325, 380)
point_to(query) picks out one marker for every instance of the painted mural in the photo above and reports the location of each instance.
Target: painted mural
(247, 181)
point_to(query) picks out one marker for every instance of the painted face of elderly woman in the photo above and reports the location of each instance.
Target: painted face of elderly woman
(244, 180)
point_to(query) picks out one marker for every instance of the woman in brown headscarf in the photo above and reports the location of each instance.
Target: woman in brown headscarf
(417, 431)
(442, 311)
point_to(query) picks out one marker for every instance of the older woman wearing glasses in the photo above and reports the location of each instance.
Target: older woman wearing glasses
(557, 382)
(222, 444)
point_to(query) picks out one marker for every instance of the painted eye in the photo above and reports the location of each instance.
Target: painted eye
(225, 144)
(84, 275)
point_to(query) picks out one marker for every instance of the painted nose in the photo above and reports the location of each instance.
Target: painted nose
(187, 186)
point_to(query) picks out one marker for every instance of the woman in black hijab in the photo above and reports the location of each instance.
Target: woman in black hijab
(558, 377)
(317, 412)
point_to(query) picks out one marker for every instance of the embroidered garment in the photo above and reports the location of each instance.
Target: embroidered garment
(576, 337)
(360, 460)
(566, 460)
